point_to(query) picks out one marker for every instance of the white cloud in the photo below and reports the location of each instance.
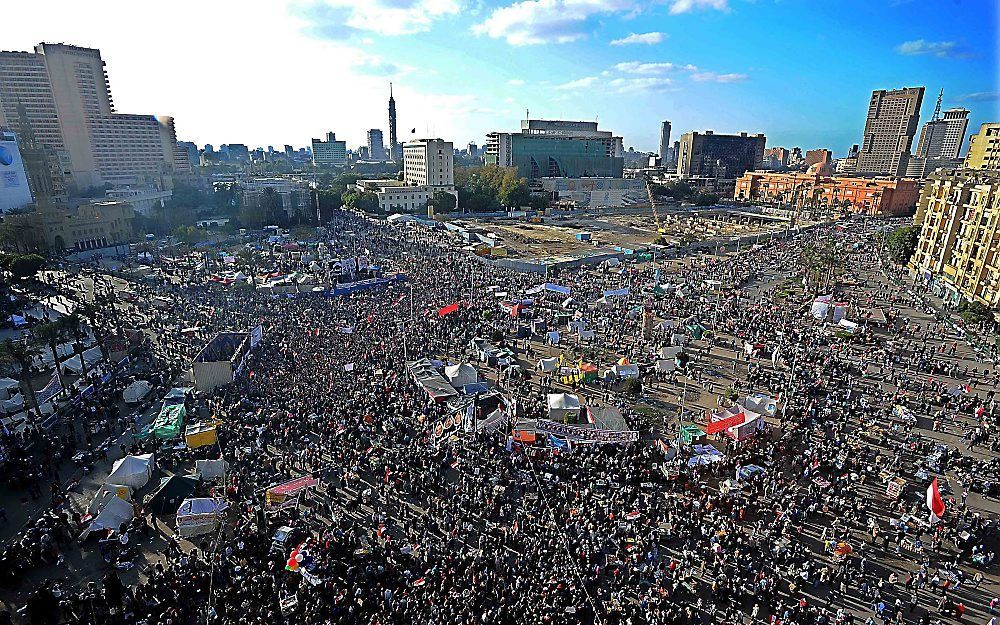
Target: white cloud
(377, 66)
(515, 82)
(644, 38)
(533, 22)
(683, 6)
(333, 19)
(635, 67)
(715, 77)
(579, 83)
(639, 85)
(940, 49)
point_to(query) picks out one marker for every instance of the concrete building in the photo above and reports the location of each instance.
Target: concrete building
(664, 140)
(472, 149)
(429, 162)
(329, 153)
(54, 229)
(776, 157)
(722, 157)
(376, 145)
(396, 196)
(143, 200)
(557, 149)
(872, 196)
(67, 102)
(818, 155)
(189, 150)
(958, 254)
(890, 127)
(940, 141)
(984, 148)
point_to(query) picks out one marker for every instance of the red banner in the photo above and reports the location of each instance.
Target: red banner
(447, 310)
(725, 424)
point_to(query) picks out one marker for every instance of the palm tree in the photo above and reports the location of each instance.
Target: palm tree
(21, 353)
(91, 312)
(51, 334)
(74, 327)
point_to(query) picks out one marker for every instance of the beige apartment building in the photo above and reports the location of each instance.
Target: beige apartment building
(958, 254)
(984, 148)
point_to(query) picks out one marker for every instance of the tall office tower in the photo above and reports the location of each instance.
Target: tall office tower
(889, 131)
(664, 140)
(395, 149)
(67, 102)
(721, 157)
(376, 145)
(472, 149)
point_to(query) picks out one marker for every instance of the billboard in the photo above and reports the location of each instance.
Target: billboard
(14, 191)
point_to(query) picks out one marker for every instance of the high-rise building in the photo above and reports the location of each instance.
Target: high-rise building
(376, 145)
(940, 141)
(722, 157)
(664, 139)
(984, 148)
(67, 102)
(330, 152)
(889, 130)
(429, 162)
(209, 148)
(190, 150)
(472, 149)
(395, 149)
(957, 254)
(554, 149)
(289, 151)
(818, 155)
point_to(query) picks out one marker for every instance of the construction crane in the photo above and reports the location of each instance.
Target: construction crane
(652, 203)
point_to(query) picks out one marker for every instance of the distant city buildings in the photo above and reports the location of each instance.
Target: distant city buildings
(872, 196)
(376, 146)
(958, 253)
(719, 157)
(889, 130)
(776, 158)
(984, 148)
(329, 153)
(61, 92)
(556, 148)
(818, 155)
(295, 195)
(940, 141)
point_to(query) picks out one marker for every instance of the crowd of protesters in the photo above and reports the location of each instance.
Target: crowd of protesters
(405, 527)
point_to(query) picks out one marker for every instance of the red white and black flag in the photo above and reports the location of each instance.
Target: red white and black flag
(934, 502)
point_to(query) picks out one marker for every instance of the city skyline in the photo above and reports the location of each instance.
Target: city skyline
(796, 72)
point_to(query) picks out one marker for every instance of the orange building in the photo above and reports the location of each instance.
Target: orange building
(873, 196)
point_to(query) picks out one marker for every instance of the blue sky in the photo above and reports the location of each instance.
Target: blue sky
(264, 72)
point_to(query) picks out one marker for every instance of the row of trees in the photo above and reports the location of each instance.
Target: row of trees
(50, 335)
(822, 261)
(681, 191)
(490, 188)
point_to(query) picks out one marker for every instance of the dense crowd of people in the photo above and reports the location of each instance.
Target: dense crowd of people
(406, 527)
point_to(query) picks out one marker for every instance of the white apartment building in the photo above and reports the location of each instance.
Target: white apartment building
(429, 162)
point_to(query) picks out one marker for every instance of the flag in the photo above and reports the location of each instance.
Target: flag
(447, 310)
(563, 445)
(934, 502)
(316, 333)
(349, 366)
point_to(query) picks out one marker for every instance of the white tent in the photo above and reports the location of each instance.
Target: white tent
(209, 469)
(106, 493)
(14, 404)
(132, 471)
(92, 356)
(548, 365)
(199, 516)
(135, 391)
(671, 352)
(461, 374)
(116, 513)
(9, 388)
(666, 365)
(562, 405)
(761, 403)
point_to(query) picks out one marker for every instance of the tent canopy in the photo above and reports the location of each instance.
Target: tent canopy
(132, 471)
(210, 469)
(547, 365)
(461, 374)
(199, 516)
(171, 492)
(135, 391)
(116, 513)
(9, 387)
(105, 493)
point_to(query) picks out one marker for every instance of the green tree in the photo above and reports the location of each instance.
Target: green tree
(189, 234)
(20, 354)
(22, 266)
(706, 199)
(902, 243)
(512, 191)
(442, 202)
(91, 312)
(974, 313)
(328, 200)
(361, 200)
(51, 334)
(272, 206)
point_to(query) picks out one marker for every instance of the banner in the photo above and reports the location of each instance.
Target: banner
(555, 288)
(725, 424)
(256, 335)
(50, 390)
(581, 434)
(616, 292)
(447, 310)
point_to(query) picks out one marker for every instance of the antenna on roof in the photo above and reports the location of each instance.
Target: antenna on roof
(937, 108)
